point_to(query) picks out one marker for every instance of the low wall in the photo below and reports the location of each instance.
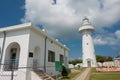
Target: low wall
(111, 69)
(19, 75)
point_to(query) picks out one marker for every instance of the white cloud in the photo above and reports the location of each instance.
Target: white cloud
(117, 33)
(109, 39)
(99, 41)
(64, 18)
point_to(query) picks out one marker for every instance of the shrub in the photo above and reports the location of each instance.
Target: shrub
(64, 71)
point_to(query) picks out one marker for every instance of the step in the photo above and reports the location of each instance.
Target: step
(44, 77)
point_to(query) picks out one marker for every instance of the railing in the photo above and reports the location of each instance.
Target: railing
(9, 68)
(10, 65)
(35, 64)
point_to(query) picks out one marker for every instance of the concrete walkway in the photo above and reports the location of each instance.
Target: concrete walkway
(84, 75)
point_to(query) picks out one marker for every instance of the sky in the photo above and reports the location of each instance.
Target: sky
(63, 19)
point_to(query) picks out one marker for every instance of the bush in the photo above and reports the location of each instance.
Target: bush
(64, 71)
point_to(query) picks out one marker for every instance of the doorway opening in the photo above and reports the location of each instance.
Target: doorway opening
(12, 56)
(89, 63)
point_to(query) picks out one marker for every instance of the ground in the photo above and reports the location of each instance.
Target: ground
(94, 75)
(104, 75)
(74, 72)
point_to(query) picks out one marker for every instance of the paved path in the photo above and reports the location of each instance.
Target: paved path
(83, 75)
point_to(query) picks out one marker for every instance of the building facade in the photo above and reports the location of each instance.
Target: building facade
(28, 48)
(89, 58)
(117, 62)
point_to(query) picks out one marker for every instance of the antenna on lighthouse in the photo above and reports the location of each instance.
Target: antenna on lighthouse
(54, 2)
(85, 21)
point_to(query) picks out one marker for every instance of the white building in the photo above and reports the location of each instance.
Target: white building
(30, 48)
(117, 62)
(99, 64)
(108, 64)
(71, 66)
(78, 65)
(89, 58)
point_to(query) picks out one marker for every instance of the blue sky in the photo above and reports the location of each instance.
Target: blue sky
(63, 20)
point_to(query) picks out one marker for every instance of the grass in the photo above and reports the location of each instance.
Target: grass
(104, 75)
(72, 75)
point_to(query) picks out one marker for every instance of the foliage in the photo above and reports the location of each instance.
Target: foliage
(74, 62)
(117, 56)
(102, 59)
(99, 58)
(72, 75)
(64, 71)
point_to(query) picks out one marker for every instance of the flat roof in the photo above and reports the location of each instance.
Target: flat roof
(29, 25)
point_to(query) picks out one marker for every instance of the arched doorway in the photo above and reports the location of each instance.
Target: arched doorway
(88, 62)
(12, 56)
(36, 57)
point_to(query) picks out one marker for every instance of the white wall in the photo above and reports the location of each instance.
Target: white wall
(37, 39)
(88, 48)
(71, 66)
(22, 38)
(117, 62)
(28, 39)
(1, 42)
(58, 50)
(66, 60)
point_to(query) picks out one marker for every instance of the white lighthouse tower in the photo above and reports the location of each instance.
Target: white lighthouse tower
(89, 58)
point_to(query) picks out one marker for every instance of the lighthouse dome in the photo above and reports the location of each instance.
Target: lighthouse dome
(86, 25)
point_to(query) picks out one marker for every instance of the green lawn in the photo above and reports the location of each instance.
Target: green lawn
(72, 75)
(104, 75)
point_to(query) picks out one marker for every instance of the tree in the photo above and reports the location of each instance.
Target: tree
(74, 62)
(117, 56)
(64, 71)
(108, 58)
(99, 58)
(102, 59)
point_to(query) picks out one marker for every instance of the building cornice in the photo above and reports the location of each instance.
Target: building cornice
(30, 26)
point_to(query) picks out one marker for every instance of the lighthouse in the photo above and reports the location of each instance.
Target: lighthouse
(88, 52)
